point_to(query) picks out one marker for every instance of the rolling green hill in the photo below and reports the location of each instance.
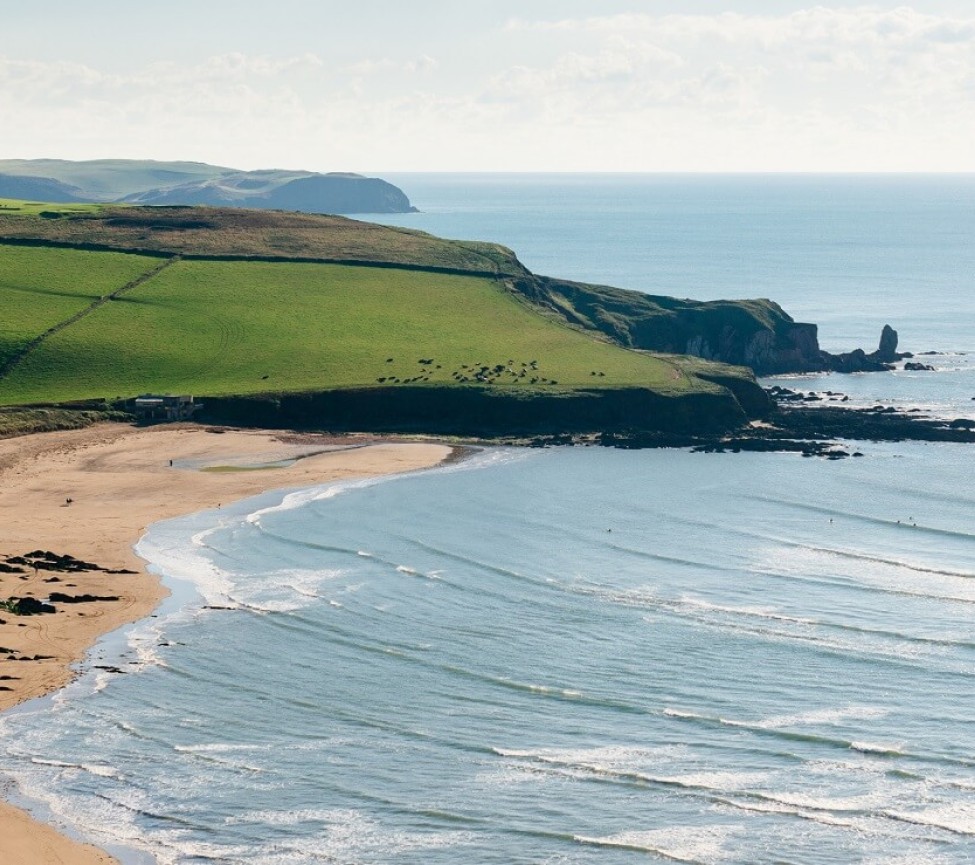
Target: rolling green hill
(369, 326)
(212, 232)
(40, 289)
(110, 179)
(245, 327)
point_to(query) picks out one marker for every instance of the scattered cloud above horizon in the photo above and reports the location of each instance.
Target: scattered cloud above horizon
(827, 89)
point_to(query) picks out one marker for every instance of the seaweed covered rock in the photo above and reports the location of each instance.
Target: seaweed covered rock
(26, 606)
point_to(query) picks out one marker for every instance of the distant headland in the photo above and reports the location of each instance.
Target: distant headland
(139, 181)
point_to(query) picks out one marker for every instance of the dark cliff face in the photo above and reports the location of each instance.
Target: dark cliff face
(479, 411)
(755, 333)
(758, 334)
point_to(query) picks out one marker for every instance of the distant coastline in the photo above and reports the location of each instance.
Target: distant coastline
(148, 182)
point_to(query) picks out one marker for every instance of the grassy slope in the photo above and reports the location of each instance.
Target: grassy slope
(39, 288)
(639, 320)
(18, 422)
(221, 327)
(212, 231)
(15, 207)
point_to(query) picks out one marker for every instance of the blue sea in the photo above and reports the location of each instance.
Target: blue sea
(578, 655)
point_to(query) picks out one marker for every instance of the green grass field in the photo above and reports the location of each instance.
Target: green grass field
(40, 288)
(209, 327)
(15, 207)
(220, 231)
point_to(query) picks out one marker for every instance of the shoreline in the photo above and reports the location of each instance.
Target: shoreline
(119, 480)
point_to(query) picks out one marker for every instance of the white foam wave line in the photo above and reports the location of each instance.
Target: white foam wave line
(863, 556)
(219, 748)
(959, 819)
(905, 654)
(900, 650)
(485, 459)
(861, 517)
(774, 615)
(878, 749)
(757, 612)
(824, 716)
(294, 500)
(853, 585)
(864, 815)
(41, 761)
(622, 843)
(857, 555)
(905, 647)
(862, 825)
(701, 845)
(101, 770)
(616, 764)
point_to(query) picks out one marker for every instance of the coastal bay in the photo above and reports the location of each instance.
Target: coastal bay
(853, 574)
(119, 480)
(467, 664)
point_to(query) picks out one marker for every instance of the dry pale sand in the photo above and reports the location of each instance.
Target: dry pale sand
(120, 481)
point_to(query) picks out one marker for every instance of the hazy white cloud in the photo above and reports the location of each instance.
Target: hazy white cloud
(819, 89)
(386, 65)
(869, 87)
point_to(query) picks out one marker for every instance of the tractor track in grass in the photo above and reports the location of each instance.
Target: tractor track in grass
(15, 359)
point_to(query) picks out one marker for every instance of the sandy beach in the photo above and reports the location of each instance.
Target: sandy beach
(119, 480)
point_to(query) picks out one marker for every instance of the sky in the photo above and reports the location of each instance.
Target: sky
(490, 85)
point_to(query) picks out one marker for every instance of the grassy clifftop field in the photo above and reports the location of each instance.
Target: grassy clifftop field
(254, 234)
(233, 304)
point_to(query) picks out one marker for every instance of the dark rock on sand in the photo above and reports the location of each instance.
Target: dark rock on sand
(61, 598)
(28, 607)
(46, 560)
